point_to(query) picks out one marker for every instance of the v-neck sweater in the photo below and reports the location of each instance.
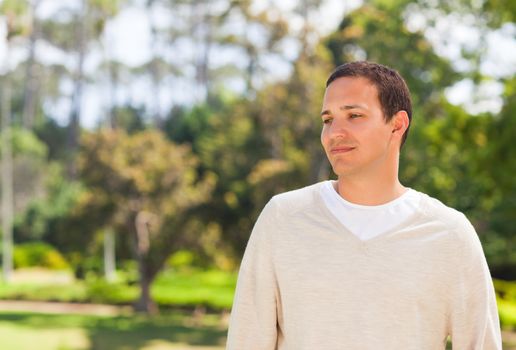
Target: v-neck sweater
(307, 283)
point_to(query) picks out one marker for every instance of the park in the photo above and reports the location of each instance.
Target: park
(139, 141)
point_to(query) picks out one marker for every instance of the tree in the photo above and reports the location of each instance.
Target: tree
(16, 25)
(7, 183)
(258, 147)
(148, 187)
(498, 167)
(272, 29)
(31, 82)
(76, 35)
(378, 33)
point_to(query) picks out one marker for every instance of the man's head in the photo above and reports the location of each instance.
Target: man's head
(393, 93)
(366, 114)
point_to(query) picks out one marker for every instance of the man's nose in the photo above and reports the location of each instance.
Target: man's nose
(338, 128)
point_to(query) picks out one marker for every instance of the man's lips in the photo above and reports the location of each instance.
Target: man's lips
(341, 149)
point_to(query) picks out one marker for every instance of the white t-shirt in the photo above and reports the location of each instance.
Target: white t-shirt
(369, 221)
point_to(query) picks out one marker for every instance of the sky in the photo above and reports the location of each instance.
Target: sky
(128, 41)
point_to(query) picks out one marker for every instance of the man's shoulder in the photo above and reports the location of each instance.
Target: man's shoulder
(296, 200)
(451, 218)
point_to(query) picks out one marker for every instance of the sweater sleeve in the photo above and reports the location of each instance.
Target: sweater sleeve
(253, 322)
(474, 315)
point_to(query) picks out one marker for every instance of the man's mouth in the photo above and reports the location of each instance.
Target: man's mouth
(341, 149)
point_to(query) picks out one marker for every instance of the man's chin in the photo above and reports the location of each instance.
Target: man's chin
(344, 172)
(346, 169)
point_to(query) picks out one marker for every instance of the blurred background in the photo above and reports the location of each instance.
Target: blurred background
(141, 138)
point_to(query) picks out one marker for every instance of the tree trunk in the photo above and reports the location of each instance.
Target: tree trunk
(75, 115)
(109, 255)
(7, 180)
(31, 83)
(113, 87)
(202, 29)
(145, 303)
(154, 70)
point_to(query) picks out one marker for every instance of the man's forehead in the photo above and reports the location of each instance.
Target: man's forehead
(351, 89)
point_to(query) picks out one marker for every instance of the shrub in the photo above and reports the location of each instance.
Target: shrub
(182, 259)
(38, 254)
(102, 291)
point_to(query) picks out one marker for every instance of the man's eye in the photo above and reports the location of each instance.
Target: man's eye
(326, 121)
(353, 116)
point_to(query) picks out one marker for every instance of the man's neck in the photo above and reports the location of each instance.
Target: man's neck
(369, 193)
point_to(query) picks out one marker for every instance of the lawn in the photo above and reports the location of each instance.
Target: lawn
(172, 288)
(173, 330)
(177, 330)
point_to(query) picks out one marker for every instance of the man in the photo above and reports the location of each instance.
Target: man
(363, 262)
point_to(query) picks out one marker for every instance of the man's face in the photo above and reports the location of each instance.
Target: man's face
(355, 136)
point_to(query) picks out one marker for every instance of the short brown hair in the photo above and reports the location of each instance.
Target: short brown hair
(393, 92)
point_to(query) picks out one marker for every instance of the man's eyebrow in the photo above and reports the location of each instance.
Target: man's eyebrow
(346, 107)
(343, 108)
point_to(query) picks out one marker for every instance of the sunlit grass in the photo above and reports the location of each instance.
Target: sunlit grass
(211, 288)
(187, 287)
(177, 330)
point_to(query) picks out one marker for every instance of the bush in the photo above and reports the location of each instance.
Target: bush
(38, 254)
(506, 298)
(182, 259)
(102, 291)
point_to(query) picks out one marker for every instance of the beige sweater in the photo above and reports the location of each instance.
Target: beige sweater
(306, 283)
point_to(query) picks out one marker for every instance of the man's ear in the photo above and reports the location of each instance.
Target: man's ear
(400, 123)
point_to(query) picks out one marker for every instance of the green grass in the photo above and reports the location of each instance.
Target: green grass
(188, 287)
(24, 331)
(169, 331)
(506, 297)
(171, 289)
(211, 288)
(507, 312)
(42, 292)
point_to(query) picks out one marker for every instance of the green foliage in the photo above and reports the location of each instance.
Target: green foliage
(181, 259)
(500, 11)
(222, 135)
(378, 33)
(45, 292)
(53, 136)
(29, 168)
(442, 156)
(38, 254)
(201, 187)
(494, 13)
(505, 289)
(171, 289)
(186, 126)
(25, 142)
(506, 293)
(129, 118)
(144, 185)
(101, 291)
(42, 217)
(507, 313)
(260, 147)
(16, 12)
(210, 288)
